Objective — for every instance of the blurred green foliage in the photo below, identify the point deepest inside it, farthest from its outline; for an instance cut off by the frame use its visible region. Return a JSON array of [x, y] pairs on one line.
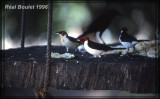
[[65, 15], [69, 16]]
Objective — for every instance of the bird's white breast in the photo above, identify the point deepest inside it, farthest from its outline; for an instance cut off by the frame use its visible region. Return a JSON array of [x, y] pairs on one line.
[[69, 43], [128, 44], [91, 50]]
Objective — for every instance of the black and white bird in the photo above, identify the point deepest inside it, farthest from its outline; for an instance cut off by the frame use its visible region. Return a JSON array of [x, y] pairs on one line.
[[101, 23], [96, 49], [67, 41], [127, 40]]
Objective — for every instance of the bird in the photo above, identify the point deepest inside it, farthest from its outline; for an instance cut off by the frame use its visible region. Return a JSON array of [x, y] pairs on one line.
[[67, 41], [101, 23], [96, 49], [128, 41]]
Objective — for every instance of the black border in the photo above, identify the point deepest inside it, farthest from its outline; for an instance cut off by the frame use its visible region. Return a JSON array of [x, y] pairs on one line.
[[80, 1]]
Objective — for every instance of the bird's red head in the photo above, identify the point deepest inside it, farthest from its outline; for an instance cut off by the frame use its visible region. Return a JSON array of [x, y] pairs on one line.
[[83, 39], [124, 29]]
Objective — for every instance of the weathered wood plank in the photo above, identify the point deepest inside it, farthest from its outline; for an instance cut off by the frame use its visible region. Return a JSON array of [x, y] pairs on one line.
[[72, 76], [113, 72]]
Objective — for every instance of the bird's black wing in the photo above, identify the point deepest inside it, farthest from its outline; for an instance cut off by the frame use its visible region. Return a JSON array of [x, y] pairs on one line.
[[101, 22], [73, 39], [98, 46], [125, 37]]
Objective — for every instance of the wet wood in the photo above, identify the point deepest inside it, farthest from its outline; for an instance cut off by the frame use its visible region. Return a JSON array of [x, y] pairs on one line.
[[24, 69]]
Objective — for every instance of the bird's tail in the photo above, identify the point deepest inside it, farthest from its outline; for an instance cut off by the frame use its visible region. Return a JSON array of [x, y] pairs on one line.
[[142, 40], [114, 44], [118, 48]]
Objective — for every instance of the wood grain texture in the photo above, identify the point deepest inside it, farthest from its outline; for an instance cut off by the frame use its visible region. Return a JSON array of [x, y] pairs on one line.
[[112, 72]]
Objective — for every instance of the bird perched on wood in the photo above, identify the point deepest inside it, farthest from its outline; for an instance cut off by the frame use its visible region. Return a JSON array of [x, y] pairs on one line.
[[101, 23], [127, 40], [96, 49], [67, 41]]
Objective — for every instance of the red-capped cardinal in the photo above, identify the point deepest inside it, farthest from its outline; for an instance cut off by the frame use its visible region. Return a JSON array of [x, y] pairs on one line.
[[94, 48]]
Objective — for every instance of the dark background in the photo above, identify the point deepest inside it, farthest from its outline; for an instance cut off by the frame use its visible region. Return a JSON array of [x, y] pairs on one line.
[[74, 17]]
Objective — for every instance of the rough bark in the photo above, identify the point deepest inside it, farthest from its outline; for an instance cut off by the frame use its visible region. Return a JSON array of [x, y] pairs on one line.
[[135, 74]]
